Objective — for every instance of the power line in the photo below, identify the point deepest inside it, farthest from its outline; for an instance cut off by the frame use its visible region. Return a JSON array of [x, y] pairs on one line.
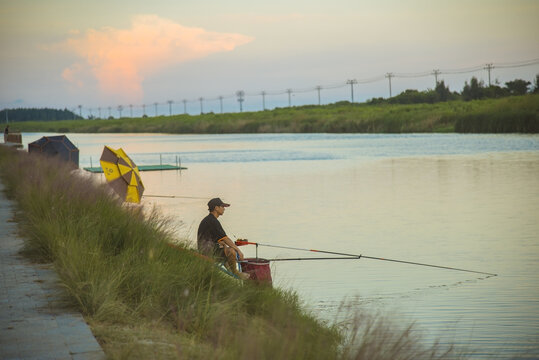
[[518, 64], [413, 75]]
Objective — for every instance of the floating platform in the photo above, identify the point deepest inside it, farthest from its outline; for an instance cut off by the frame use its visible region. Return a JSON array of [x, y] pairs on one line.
[[141, 168], [12, 144]]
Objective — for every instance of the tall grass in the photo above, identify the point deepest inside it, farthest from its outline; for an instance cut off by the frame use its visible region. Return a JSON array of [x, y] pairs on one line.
[[507, 115], [146, 299], [511, 114]]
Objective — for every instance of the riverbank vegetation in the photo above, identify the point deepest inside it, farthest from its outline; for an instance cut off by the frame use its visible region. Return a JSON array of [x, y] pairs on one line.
[[146, 299], [508, 114]]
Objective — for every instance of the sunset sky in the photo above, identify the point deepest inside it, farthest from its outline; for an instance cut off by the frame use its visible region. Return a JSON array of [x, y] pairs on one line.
[[65, 53]]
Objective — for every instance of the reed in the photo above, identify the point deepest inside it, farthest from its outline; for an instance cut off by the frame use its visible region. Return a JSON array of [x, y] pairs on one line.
[[502, 116], [146, 299]]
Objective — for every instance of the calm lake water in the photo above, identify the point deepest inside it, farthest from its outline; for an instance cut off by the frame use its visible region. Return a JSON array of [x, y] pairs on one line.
[[466, 201]]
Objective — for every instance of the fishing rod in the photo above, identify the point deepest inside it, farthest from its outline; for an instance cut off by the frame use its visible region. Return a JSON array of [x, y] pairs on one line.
[[240, 242], [315, 258], [176, 196]]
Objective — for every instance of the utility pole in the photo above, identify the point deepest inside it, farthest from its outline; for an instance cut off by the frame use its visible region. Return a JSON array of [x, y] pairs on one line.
[[489, 67], [170, 107], [80, 110], [99, 109], [240, 94], [389, 76], [120, 108], [263, 93], [352, 82], [155, 104], [131, 110], [201, 109], [289, 91], [110, 114], [436, 72], [143, 110], [221, 103], [318, 88], [184, 106]]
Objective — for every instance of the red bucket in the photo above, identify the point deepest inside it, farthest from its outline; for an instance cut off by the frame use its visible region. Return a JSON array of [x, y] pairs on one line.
[[258, 270]]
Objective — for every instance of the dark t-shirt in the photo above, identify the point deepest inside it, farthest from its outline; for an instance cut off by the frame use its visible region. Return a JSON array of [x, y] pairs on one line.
[[210, 232]]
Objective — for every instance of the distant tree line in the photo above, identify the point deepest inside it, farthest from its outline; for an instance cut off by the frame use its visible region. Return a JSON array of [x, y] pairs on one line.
[[34, 114], [474, 90]]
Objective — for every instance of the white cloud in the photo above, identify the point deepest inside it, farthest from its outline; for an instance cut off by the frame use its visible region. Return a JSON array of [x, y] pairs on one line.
[[121, 58]]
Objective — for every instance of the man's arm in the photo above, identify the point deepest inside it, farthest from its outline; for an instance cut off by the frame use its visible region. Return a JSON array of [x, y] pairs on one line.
[[226, 240]]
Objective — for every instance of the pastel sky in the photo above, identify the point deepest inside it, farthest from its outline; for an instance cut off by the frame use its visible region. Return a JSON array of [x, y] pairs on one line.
[[65, 53]]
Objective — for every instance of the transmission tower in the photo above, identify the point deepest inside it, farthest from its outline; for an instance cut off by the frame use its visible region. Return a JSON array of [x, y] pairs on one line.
[[131, 110], [170, 107], [120, 108], [352, 82], [184, 106], [436, 72], [389, 76], [201, 99], [80, 110], [289, 91], [318, 88], [240, 94], [155, 104], [221, 103], [489, 67], [263, 93]]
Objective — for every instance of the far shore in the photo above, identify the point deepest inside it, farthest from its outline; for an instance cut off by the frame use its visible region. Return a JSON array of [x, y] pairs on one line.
[[514, 114]]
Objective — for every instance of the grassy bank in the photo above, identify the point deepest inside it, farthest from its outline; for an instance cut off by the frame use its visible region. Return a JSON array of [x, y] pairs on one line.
[[145, 299], [510, 114]]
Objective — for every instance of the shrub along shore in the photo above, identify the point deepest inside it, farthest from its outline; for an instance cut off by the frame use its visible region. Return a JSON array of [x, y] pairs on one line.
[[145, 299], [504, 115]]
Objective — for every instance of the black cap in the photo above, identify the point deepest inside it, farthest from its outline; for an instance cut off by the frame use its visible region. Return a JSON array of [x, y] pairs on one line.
[[216, 202]]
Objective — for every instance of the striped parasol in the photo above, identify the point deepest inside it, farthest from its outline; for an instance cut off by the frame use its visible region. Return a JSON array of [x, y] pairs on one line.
[[122, 174]]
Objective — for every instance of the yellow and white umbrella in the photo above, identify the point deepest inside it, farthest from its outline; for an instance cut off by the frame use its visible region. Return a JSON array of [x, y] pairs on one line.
[[122, 174]]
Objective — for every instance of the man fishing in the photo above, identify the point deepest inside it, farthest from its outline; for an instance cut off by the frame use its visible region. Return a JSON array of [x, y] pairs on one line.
[[213, 241]]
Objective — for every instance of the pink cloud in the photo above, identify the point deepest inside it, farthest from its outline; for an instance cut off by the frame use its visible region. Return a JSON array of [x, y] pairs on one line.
[[72, 75], [121, 58]]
